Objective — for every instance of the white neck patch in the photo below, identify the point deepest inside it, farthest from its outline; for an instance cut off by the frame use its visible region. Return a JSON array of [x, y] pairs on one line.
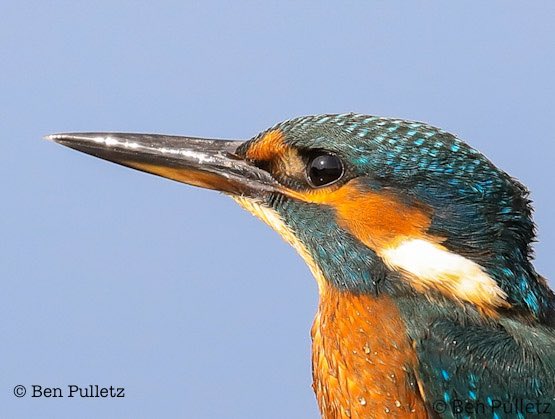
[[432, 266]]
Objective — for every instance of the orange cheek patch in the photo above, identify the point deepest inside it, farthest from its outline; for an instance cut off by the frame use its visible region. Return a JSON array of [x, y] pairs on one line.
[[398, 233], [377, 219]]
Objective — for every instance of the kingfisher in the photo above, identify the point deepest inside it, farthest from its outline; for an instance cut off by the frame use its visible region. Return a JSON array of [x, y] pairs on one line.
[[429, 303]]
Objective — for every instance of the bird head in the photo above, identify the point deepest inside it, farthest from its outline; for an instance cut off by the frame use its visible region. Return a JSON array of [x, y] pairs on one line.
[[373, 205]]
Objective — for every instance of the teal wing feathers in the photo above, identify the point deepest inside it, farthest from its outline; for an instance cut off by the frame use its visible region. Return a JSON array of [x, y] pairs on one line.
[[486, 371]]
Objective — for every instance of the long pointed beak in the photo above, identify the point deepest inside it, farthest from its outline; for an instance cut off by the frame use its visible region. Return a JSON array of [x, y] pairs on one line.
[[210, 164]]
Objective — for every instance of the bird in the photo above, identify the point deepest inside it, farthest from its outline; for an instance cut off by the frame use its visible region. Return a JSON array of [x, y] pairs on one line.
[[429, 302]]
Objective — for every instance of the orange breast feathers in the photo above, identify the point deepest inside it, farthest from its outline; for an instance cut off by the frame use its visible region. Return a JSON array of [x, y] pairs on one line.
[[362, 359]]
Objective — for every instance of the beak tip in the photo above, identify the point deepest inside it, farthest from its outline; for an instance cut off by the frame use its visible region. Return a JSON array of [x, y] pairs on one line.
[[53, 137]]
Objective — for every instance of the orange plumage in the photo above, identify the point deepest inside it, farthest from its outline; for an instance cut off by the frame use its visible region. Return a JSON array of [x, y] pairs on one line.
[[362, 359]]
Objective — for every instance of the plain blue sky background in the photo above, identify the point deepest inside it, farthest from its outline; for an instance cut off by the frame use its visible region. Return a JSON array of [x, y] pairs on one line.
[[114, 277]]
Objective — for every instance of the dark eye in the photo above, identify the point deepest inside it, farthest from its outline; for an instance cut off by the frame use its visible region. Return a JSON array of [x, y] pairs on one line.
[[324, 169]]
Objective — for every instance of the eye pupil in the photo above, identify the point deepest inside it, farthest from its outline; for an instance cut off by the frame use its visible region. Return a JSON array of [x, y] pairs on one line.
[[324, 169]]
